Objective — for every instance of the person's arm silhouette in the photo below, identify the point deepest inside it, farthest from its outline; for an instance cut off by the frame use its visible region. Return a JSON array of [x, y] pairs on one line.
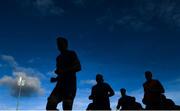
[[58, 71], [110, 91], [92, 96], [119, 104]]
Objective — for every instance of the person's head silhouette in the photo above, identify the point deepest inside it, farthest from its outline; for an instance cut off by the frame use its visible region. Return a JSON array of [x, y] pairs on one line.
[[123, 91], [62, 44], [148, 75], [99, 78]]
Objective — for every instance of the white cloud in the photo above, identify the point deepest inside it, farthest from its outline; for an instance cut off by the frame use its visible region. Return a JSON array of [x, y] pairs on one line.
[[31, 77], [12, 62], [32, 84]]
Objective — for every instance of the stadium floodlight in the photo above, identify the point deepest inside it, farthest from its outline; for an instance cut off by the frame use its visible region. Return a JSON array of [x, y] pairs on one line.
[[20, 83]]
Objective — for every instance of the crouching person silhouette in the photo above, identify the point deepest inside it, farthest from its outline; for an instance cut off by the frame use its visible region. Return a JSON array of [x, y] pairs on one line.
[[135, 105], [100, 95], [127, 102], [67, 64]]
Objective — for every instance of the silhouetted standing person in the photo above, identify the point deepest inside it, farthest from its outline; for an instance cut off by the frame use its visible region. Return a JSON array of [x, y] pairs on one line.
[[127, 102], [100, 94], [67, 64], [152, 92]]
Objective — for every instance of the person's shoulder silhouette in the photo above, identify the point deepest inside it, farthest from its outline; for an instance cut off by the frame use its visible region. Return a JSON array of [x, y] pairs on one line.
[[151, 85], [102, 89], [100, 94], [135, 105]]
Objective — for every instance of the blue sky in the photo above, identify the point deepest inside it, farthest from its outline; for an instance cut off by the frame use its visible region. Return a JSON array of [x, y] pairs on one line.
[[119, 38]]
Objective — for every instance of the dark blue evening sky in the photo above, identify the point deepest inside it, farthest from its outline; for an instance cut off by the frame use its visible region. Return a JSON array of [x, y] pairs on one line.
[[119, 38]]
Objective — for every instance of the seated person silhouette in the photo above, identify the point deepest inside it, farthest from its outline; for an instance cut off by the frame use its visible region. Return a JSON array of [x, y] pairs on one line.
[[67, 64], [125, 102], [153, 90], [100, 94]]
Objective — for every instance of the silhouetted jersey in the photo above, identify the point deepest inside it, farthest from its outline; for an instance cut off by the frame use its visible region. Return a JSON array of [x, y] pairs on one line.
[[100, 95], [66, 61], [152, 94], [125, 103]]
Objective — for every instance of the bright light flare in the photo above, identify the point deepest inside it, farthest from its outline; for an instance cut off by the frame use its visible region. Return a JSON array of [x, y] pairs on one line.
[[21, 81]]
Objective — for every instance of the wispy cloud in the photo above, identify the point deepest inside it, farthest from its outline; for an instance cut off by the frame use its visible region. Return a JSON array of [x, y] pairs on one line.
[[47, 7], [80, 2], [90, 82], [174, 95], [81, 100], [9, 59], [86, 3], [33, 60], [176, 81], [42, 7], [144, 15], [173, 89], [31, 77]]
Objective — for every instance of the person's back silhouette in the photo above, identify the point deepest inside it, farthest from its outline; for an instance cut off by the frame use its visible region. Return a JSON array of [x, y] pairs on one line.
[[152, 92], [91, 106], [100, 94], [67, 64], [125, 102], [168, 104]]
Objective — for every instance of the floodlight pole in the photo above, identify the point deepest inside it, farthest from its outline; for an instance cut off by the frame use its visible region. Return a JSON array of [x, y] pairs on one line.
[[19, 94]]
